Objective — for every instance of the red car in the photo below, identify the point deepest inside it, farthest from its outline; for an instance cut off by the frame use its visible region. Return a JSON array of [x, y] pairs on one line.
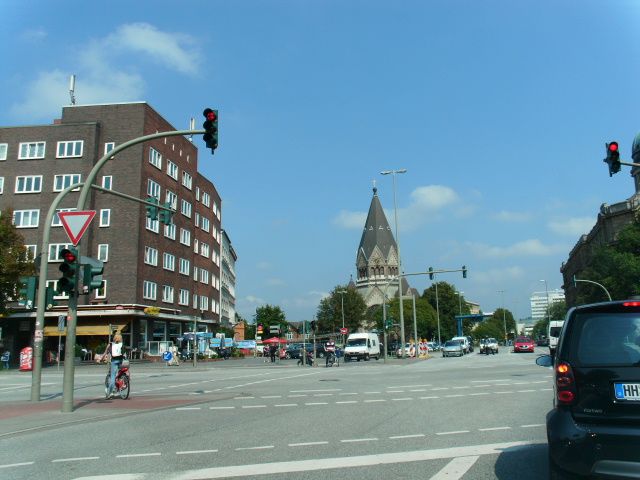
[[523, 344]]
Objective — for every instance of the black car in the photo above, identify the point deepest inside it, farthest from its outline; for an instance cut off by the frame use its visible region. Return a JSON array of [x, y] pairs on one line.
[[594, 426]]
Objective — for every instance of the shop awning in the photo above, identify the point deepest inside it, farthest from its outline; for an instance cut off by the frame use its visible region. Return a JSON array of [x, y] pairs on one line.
[[86, 328]]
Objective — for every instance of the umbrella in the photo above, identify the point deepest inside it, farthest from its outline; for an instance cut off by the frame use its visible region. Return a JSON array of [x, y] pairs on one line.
[[275, 340]]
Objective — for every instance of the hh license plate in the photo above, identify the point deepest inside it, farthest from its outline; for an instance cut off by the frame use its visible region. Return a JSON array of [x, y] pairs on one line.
[[627, 391]]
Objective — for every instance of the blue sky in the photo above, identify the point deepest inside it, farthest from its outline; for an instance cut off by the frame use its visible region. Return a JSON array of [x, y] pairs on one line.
[[499, 110]]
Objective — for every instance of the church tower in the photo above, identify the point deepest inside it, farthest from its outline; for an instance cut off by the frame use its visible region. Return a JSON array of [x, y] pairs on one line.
[[377, 257]]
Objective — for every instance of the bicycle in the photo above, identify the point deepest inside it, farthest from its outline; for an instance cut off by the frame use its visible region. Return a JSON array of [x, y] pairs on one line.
[[122, 382], [332, 359]]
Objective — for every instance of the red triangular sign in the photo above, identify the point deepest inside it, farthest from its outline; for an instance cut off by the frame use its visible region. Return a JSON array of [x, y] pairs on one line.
[[76, 223]]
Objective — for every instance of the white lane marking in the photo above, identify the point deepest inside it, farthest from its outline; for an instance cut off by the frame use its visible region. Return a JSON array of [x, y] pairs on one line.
[[532, 425], [323, 394], [346, 402], [306, 444], [481, 386], [375, 400], [188, 408], [460, 388], [455, 432], [395, 391], [254, 406], [348, 393], [317, 390], [452, 396], [485, 381], [191, 452], [135, 455], [354, 440], [10, 465], [296, 396], [493, 428], [479, 393], [546, 389], [525, 391], [78, 459], [456, 468], [317, 403], [263, 447], [372, 393], [428, 398], [403, 399], [419, 390], [508, 391], [221, 408], [242, 398], [412, 386], [271, 396], [440, 388], [286, 405], [417, 435]]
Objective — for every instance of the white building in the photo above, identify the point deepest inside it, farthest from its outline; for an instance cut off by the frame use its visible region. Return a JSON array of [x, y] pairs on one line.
[[539, 302], [228, 276]]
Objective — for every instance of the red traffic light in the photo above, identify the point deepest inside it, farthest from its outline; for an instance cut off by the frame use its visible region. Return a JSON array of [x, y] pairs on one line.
[[209, 114], [68, 256], [613, 147]]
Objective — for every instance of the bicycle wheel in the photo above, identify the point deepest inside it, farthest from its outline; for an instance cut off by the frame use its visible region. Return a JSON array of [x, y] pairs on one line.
[[106, 384], [124, 390]]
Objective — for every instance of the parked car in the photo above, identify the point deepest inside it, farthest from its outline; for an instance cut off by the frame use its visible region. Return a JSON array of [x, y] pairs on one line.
[[407, 350], [592, 429], [433, 346], [523, 344], [453, 348], [293, 350]]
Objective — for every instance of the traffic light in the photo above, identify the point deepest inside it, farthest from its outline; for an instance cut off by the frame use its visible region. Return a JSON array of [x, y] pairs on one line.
[[464, 271], [49, 302], [613, 158], [166, 215], [152, 210], [91, 274], [210, 126], [430, 273], [389, 323], [27, 293], [69, 268]]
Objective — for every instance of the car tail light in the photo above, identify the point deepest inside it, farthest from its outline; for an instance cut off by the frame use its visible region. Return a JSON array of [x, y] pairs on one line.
[[565, 384]]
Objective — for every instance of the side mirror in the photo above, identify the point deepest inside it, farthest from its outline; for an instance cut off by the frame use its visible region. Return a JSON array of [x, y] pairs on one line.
[[544, 361]]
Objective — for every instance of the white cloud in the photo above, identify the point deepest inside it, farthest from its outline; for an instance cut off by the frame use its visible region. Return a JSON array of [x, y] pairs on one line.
[[253, 300], [309, 300], [497, 276], [432, 197], [506, 216], [346, 219], [529, 248], [573, 227]]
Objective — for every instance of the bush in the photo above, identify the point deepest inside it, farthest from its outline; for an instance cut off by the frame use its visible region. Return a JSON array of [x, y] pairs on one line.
[[77, 350]]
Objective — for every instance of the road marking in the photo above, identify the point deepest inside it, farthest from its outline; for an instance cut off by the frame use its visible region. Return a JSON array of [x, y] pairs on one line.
[[317, 403], [135, 455], [546, 389], [412, 386], [78, 459], [349, 393], [459, 388], [271, 396], [428, 398], [456, 468], [296, 396], [188, 408], [321, 390], [254, 406], [440, 388], [419, 390], [479, 393], [355, 440], [525, 391], [221, 408], [532, 425], [286, 405], [403, 399], [417, 435], [190, 452], [455, 432], [263, 447], [323, 394], [481, 386], [346, 402], [375, 400], [493, 428], [242, 398], [306, 444], [452, 396], [485, 381], [372, 393], [395, 391], [10, 465], [508, 391]]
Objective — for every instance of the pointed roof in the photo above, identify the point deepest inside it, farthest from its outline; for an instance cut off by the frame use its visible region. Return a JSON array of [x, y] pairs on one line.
[[376, 230]]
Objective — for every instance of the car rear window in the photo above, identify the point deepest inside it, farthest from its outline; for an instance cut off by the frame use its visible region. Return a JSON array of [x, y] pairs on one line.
[[605, 339]]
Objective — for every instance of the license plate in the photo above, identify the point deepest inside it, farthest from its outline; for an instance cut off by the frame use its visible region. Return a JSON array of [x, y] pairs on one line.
[[627, 391]]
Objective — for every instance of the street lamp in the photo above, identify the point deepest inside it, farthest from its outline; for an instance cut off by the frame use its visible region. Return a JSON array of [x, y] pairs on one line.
[[395, 209], [342, 292], [504, 318], [460, 301], [546, 289]]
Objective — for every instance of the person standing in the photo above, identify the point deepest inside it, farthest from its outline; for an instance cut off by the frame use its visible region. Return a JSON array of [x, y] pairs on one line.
[[115, 348], [6, 355], [272, 352]]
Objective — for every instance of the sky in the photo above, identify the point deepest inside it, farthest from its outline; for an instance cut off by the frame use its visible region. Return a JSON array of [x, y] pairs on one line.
[[499, 111]]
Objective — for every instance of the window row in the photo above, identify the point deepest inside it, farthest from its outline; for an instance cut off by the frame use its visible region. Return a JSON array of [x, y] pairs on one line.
[[155, 159], [36, 150], [31, 218], [33, 183], [201, 302]]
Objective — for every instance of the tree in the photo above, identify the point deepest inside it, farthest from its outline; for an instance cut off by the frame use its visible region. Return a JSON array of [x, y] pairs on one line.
[[15, 260], [329, 314], [269, 315], [426, 321], [494, 326], [449, 305]]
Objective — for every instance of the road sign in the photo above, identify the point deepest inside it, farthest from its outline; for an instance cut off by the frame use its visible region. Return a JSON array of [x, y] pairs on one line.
[[167, 356], [76, 223], [344, 331], [61, 319]]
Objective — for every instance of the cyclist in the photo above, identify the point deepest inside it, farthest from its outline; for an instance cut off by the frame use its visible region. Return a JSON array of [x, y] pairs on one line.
[[115, 348], [330, 349]]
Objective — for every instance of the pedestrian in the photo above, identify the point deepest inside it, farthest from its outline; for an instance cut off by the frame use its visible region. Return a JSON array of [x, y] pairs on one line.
[[6, 355], [272, 352]]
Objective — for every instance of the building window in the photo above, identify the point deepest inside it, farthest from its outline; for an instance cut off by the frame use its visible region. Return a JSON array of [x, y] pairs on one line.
[[26, 218], [70, 149], [107, 182], [4, 147], [172, 170], [185, 208], [152, 225], [103, 252], [149, 290], [31, 251], [105, 217], [60, 182], [109, 146], [185, 266], [204, 276], [195, 245], [204, 249], [168, 261], [29, 184], [205, 224], [187, 181], [170, 231], [32, 150], [153, 189], [204, 303], [172, 199], [54, 251], [184, 297], [102, 291], [55, 221], [167, 294], [185, 237], [1, 185], [155, 158], [151, 256], [195, 273], [195, 301], [206, 199]]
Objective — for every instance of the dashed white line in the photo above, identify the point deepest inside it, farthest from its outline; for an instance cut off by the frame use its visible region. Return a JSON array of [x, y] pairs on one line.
[[254, 406], [478, 393], [355, 440], [346, 402], [452, 396], [286, 405], [221, 408], [403, 399], [532, 425], [455, 432], [317, 403], [10, 465], [271, 396], [243, 398], [263, 447], [348, 393], [306, 444], [78, 459], [490, 429], [525, 391], [508, 391], [417, 435], [135, 455], [428, 398], [192, 452], [188, 408], [375, 400]]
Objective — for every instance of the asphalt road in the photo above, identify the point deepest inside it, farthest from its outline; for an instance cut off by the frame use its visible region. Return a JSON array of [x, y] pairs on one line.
[[475, 417]]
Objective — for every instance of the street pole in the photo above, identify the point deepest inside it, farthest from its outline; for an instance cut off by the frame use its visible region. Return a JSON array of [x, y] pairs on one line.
[[438, 315], [415, 328], [342, 292], [546, 289], [504, 318], [395, 209]]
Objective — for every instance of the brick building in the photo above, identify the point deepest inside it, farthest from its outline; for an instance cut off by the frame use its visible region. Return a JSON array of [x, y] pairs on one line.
[[175, 268]]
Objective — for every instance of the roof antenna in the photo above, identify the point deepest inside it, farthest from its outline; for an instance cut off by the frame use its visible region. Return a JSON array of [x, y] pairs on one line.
[[72, 87]]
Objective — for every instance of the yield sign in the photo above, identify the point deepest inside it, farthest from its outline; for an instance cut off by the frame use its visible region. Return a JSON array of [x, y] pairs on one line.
[[76, 223]]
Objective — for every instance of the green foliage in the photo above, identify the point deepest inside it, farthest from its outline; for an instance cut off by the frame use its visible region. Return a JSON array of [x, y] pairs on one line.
[[269, 315], [426, 321], [329, 314], [615, 266], [449, 305], [15, 260], [494, 325]]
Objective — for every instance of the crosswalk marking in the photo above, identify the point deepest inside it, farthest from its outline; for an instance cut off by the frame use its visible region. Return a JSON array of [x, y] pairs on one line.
[[456, 468]]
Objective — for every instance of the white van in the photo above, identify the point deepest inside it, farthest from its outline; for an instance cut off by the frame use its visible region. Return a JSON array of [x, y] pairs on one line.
[[362, 346], [555, 327], [466, 346]]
